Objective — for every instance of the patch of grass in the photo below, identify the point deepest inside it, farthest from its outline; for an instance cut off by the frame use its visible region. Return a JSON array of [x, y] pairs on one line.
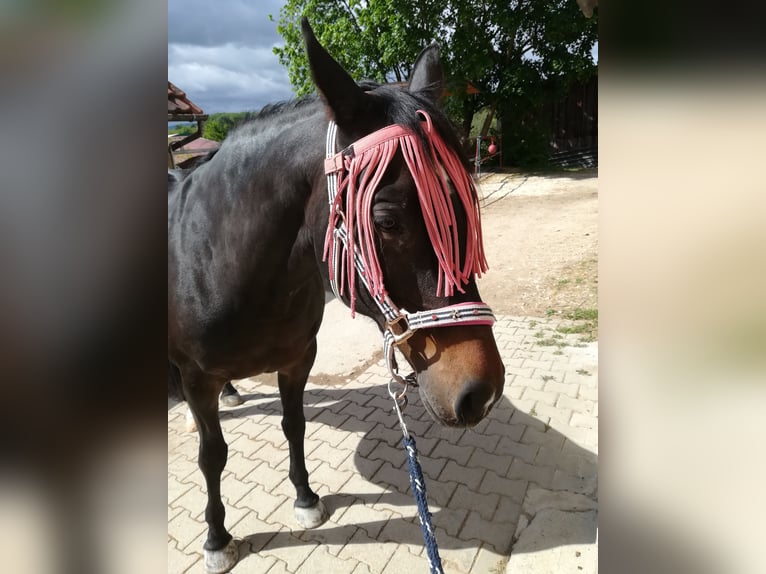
[[547, 378], [582, 372], [539, 334], [532, 324], [550, 312], [533, 412], [576, 329], [582, 315], [587, 324], [558, 352], [562, 282], [557, 336], [500, 567], [552, 343]]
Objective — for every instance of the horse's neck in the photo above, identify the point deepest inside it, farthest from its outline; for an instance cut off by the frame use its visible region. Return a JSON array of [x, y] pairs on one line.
[[246, 212]]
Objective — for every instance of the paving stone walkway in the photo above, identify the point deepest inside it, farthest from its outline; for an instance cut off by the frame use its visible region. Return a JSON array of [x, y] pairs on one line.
[[502, 481]]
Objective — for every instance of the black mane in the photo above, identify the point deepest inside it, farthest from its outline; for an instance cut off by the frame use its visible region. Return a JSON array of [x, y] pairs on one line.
[[398, 105]]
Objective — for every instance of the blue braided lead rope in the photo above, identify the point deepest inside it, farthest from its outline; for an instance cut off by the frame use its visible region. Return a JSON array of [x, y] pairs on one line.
[[418, 484]]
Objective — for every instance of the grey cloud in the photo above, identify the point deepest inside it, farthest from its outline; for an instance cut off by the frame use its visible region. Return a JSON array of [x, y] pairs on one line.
[[220, 53], [217, 22]]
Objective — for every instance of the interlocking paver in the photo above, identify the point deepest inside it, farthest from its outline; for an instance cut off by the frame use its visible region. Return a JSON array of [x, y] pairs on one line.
[[550, 438], [262, 502], [508, 510], [369, 517], [471, 477], [457, 554], [496, 534], [369, 551], [386, 453], [333, 455], [407, 534], [478, 438], [564, 391], [395, 478], [184, 529], [510, 430], [322, 562], [542, 475], [458, 453], [587, 393], [178, 561], [271, 455], [546, 397], [254, 562], [578, 484], [513, 489], [477, 480], [553, 416], [362, 568], [332, 479], [471, 500], [291, 550], [269, 478], [585, 421], [482, 459], [489, 560], [177, 488], [577, 405], [509, 447]]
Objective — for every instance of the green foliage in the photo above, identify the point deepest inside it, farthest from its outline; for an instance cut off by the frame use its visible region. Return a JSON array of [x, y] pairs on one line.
[[520, 54], [218, 125], [182, 130], [375, 39]]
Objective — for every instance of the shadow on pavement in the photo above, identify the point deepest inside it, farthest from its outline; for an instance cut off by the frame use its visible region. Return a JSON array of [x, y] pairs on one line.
[[453, 486]]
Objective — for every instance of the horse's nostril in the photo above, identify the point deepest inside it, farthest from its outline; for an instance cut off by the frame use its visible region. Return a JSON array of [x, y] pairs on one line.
[[473, 401]]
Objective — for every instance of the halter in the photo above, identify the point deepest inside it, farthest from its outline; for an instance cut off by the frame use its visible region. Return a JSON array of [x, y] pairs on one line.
[[354, 174]]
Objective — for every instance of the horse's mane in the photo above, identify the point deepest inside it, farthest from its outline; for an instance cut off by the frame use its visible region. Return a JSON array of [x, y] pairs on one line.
[[398, 105], [401, 107]]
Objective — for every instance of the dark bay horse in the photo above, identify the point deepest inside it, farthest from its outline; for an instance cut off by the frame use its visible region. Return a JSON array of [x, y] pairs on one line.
[[253, 246]]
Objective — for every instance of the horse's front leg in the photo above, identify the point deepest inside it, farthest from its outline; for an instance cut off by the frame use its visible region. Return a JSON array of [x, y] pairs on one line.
[[201, 393], [309, 509]]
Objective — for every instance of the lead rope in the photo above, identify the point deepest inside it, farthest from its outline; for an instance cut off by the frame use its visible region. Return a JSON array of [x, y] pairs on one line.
[[418, 484]]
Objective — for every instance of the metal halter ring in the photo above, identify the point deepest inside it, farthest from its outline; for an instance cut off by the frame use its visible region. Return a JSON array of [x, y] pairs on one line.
[[399, 398], [399, 329]]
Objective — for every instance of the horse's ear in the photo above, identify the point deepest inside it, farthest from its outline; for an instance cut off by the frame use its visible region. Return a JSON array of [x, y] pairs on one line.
[[343, 97], [427, 76]]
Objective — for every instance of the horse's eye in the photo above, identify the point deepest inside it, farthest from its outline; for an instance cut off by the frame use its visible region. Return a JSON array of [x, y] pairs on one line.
[[386, 222]]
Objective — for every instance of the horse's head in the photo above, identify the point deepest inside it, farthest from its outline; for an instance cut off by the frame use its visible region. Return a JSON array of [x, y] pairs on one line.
[[406, 207]]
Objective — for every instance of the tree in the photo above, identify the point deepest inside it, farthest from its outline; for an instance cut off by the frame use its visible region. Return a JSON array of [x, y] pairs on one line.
[[374, 39], [218, 125], [519, 54]]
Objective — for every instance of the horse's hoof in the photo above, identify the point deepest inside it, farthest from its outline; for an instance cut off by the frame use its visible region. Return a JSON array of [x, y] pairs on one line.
[[312, 516], [223, 560], [232, 400], [191, 425]]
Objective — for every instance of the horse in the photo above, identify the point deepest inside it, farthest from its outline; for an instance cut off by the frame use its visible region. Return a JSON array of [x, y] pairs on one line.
[[277, 218]]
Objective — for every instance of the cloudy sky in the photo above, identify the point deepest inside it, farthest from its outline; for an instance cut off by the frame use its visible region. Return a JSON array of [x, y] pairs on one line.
[[220, 54]]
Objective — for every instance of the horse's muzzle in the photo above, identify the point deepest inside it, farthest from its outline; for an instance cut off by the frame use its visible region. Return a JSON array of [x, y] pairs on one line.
[[460, 373]]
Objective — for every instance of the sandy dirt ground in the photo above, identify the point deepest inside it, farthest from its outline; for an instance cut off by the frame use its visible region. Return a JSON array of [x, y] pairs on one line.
[[540, 235], [541, 240]]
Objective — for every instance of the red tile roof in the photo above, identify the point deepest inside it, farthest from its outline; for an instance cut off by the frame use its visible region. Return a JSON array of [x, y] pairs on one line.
[[201, 144], [178, 103]]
